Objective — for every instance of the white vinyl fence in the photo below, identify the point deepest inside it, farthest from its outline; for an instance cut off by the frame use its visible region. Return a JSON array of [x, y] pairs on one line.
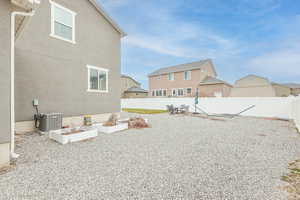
[[296, 112], [264, 107]]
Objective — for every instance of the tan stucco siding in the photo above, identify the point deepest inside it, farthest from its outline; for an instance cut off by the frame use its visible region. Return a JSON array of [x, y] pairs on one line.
[[212, 89], [250, 81], [295, 91], [281, 91], [210, 69], [258, 91], [55, 72], [253, 86]]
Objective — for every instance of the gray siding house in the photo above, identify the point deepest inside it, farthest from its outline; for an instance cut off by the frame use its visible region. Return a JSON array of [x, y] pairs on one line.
[[5, 10], [67, 56]]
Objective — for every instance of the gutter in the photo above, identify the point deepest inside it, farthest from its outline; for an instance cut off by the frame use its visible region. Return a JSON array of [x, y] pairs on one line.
[[12, 80]]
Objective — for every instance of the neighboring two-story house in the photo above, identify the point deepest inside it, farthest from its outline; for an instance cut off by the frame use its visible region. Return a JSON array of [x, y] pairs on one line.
[[67, 55], [130, 88], [184, 80]]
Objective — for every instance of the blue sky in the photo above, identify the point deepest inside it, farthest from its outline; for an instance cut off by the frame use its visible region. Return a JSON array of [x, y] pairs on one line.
[[241, 36]]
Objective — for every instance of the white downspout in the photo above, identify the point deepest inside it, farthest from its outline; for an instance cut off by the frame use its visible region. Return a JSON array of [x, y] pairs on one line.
[[12, 80]]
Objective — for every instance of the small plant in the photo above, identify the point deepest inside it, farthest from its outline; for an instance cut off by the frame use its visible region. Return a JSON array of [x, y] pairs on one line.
[[138, 123], [112, 120]]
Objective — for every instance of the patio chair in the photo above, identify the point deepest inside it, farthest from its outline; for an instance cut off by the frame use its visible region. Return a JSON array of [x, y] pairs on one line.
[[184, 108], [171, 109]]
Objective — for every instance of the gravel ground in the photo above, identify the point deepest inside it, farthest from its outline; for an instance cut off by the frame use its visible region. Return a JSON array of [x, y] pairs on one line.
[[180, 157]]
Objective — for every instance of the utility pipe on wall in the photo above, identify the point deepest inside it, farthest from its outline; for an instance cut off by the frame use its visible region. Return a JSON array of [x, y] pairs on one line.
[[12, 80]]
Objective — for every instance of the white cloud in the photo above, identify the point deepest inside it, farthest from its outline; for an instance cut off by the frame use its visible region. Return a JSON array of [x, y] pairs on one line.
[[166, 34], [165, 31], [278, 63]]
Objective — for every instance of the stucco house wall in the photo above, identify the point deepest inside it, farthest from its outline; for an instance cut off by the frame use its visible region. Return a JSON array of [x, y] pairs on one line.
[[295, 91], [252, 86], [281, 90], [258, 91], [163, 82], [211, 89], [55, 71], [5, 9]]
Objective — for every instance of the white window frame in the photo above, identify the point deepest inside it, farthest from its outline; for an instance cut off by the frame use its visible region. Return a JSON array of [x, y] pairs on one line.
[[182, 92], [52, 34], [171, 76], [189, 75], [164, 90], [187, 91], [89, 84]]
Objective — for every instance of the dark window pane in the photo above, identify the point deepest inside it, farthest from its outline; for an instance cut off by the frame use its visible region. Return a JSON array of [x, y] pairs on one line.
[[93, 79]]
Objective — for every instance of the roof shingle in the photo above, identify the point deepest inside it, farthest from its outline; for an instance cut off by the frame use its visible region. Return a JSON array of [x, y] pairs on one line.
[[136, 89], [180, 68], [211, 80]]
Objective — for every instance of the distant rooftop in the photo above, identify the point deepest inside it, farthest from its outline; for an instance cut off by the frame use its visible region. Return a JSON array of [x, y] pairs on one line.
[[126, 76], [210, 81], [136, 89], [180, 68], [292, 85], [273, 83]]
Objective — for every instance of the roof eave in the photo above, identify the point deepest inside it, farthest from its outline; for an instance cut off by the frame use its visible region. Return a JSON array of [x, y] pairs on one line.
[[135, 92], [282, 85], [215, 84], [108, 18], [125, 76], [158, 73], [213, 67]]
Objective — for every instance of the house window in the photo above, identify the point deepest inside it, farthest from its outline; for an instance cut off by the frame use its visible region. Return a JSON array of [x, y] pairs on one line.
[[62, 23], [159, 93], [187, 75], [97, 79], [164, 93], [171, 76], [189, 90], [180, 92], [174, 93]]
